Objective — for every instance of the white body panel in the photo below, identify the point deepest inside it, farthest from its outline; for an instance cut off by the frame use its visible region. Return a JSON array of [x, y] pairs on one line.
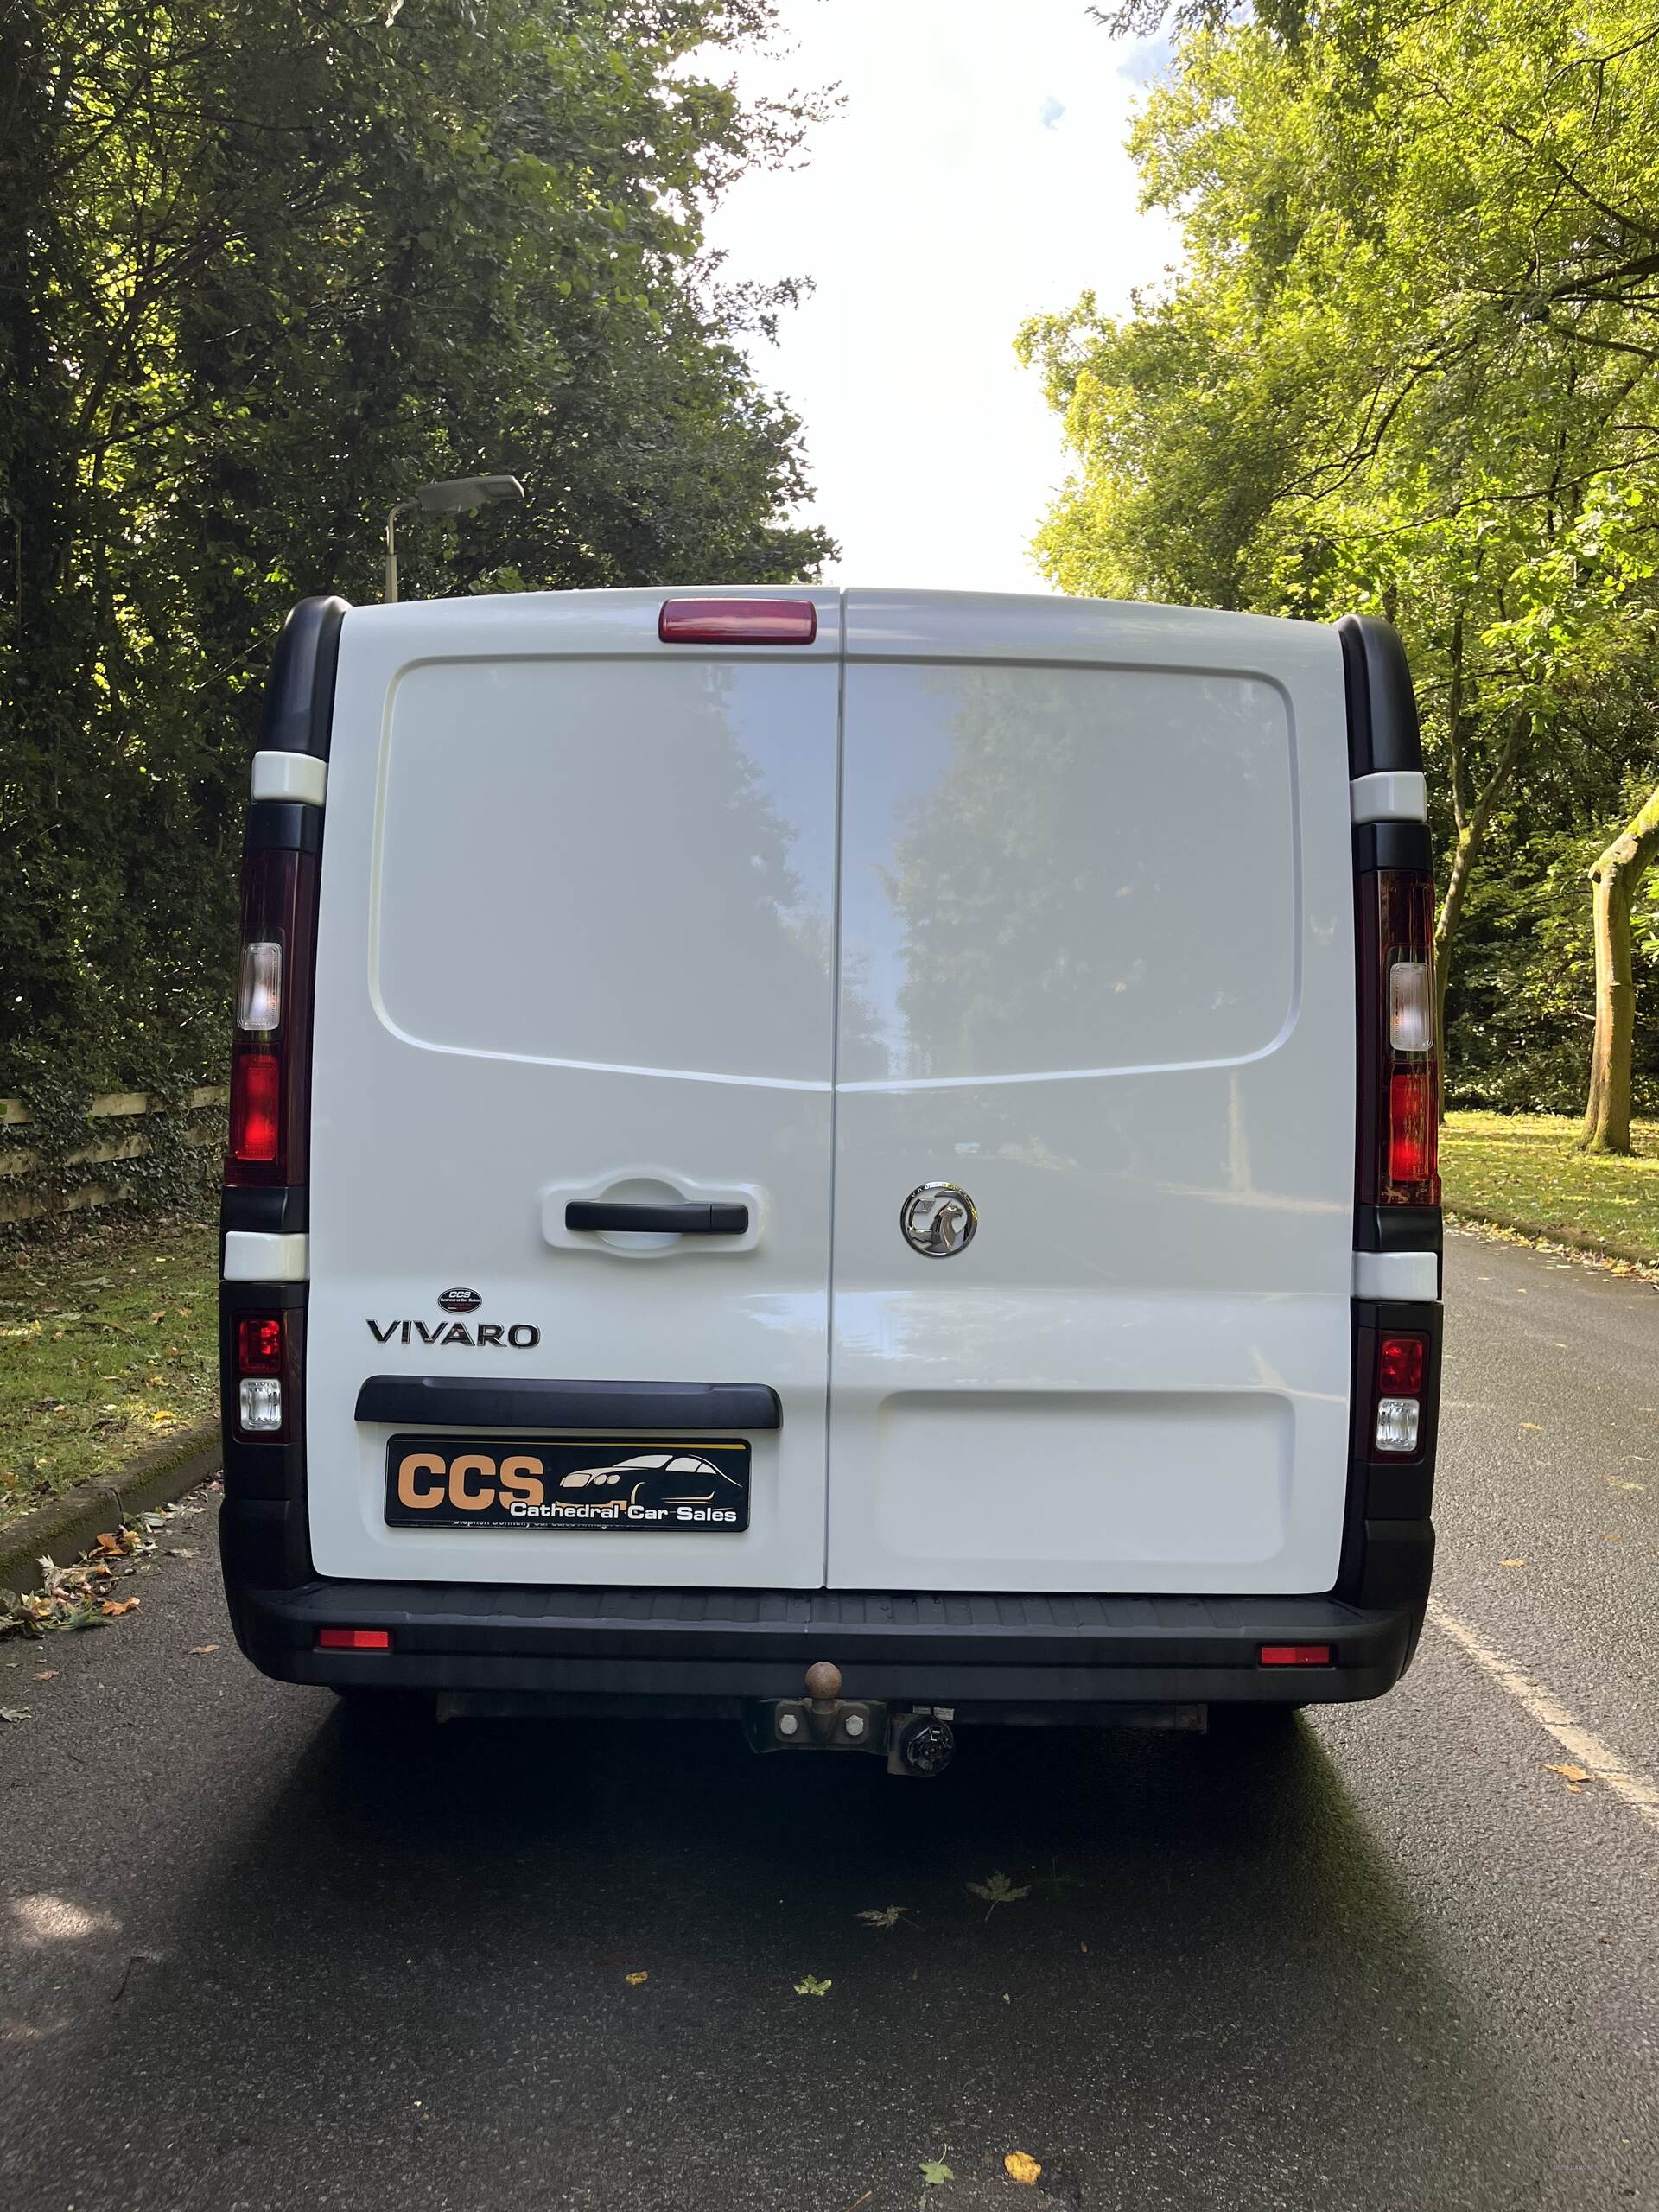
[[1098, 969], [1049, 899], [576, 930]]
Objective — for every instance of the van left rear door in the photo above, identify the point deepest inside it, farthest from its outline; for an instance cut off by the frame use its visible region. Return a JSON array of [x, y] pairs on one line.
[[576, 947]]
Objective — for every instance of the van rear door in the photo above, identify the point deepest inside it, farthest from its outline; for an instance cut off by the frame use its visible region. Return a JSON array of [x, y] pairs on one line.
[[1098, 973], [575, 948]]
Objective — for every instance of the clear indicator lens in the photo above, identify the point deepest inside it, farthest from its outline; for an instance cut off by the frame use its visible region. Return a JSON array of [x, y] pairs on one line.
[[1397, 1421], [260, 995], [1411, 1016], [259, 1405]]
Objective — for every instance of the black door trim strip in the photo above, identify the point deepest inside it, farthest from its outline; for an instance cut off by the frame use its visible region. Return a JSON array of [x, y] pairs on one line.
[[522, 1401]]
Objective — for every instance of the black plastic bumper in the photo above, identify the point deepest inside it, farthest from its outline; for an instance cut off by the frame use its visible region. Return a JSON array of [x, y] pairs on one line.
[[691, 1646]]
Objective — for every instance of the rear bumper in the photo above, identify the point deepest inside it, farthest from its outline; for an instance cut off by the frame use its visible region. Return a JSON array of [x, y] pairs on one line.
[[986, 1654]]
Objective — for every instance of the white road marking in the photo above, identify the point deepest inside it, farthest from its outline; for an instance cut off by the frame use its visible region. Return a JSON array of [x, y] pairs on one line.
[[1582, 1745]]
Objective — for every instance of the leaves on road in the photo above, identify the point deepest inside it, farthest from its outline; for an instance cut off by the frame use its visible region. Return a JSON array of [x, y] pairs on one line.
[[1020, 2166], [14, 1713], [1511, 1562], [200, 1650], [935, 2172], [1575, 1776], [635, 1980], [112, 1610], [997, 1889], [810, 1985]]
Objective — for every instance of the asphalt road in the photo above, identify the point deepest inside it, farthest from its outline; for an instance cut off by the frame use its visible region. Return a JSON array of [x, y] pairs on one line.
[[252, 1961]]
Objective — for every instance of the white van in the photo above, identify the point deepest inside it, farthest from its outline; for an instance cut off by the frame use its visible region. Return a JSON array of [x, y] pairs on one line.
[[886, 1131]]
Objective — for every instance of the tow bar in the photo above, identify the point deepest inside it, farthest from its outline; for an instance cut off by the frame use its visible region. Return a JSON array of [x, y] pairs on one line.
[[917, 1742]]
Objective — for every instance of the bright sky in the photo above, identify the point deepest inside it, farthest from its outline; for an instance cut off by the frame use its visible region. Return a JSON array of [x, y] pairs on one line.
[[974, 174]]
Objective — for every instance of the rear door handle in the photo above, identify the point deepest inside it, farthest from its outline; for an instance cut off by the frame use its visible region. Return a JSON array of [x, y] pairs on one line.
[[690, 1219]]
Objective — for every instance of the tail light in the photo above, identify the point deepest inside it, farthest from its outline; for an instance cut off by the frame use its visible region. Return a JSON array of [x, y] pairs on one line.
[[262, 1370], [271, 1052], [1397, 1394], [1399, 1162]]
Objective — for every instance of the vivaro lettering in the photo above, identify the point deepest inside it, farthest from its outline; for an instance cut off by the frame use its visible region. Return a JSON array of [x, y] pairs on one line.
[[522, 1335]]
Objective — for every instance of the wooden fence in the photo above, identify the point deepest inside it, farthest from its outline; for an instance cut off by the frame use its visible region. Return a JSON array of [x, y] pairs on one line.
[[119, 1106]]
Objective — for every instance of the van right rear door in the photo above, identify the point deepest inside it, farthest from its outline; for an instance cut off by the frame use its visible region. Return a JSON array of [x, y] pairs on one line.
[[1097, 972]]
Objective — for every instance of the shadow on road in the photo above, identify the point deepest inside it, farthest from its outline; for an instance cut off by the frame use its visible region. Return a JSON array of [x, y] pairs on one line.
[[404, 1977]]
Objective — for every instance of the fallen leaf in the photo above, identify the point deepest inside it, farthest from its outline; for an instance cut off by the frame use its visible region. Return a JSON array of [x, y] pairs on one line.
[[107, 1542], [200, 1651], [1020, 2166], [999, 1890], [810, 1985], [633, 1981], [1511, 1562], [181, 1551], [1572, 1773], [887, 1917], [14, 1713], [935, 2173], [1536, 1425], [113, 1608], [47, 1674]]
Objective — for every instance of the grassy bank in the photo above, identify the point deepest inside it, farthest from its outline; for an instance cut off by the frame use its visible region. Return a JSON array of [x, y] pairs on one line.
[[1523, 1171], [108, 1343]]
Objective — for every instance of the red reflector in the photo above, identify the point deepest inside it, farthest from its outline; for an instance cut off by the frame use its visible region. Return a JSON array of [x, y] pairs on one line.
[[1295, 1654], [1400, 1362], [259, 1344], [256, 1096], [1413, 1144], [353, 1639], [737, 622]]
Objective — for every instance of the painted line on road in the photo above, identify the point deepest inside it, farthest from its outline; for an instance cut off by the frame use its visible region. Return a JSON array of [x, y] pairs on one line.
[[1582, 1745]]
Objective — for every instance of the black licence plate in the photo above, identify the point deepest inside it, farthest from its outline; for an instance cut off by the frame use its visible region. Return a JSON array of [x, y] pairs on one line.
[[459, 1482]]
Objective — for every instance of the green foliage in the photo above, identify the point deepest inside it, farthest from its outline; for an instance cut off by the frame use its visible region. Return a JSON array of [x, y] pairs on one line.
[[1410, 365], [261, 271]]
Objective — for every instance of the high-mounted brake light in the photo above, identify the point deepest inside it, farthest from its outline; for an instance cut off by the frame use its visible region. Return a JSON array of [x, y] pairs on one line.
[[270, 1048], [1399, 1162], [737, 622]]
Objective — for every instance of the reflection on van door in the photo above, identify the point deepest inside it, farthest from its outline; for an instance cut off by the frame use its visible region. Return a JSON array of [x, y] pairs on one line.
[[1093, 980], [577, 909]]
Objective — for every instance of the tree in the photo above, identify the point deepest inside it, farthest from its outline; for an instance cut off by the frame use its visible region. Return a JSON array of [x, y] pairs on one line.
[[1407, 364], [1616, 877], [260, 270]]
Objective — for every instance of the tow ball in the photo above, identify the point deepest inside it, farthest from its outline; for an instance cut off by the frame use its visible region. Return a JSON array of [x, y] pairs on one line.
[[823, 1720]]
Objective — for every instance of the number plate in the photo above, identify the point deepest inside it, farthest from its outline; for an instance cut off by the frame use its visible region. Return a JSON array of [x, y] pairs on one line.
[[448, 1482]]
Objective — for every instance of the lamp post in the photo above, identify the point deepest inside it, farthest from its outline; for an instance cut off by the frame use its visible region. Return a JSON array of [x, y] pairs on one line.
[[455, 495]]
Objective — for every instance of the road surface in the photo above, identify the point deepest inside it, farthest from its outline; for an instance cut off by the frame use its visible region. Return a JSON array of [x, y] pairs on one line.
[[251, 1961]]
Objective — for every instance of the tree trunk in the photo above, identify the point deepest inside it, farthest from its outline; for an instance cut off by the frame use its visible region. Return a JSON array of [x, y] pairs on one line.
[[1616, 877]]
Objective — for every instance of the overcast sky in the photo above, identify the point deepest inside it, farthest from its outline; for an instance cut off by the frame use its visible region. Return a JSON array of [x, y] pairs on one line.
[[973, 174]]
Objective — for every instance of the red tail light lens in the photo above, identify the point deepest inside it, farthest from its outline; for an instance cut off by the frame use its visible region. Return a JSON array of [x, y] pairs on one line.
[[737, 622], [256, 1107], [353, 1639], [1413, 1132], [270, 1046], [1295, 1654], [259, 1343], [1399, 1161], [1402, 1362]]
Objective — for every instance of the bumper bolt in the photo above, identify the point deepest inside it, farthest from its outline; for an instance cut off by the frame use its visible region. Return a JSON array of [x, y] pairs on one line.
[[789, 1724], [855, 1724]]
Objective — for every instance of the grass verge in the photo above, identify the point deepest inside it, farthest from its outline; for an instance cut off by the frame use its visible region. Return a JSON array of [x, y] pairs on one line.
[[108, 1340], [1523, 1171]]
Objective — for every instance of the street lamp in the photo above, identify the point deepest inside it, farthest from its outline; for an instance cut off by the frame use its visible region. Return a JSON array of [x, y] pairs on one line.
[[456, 495]]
